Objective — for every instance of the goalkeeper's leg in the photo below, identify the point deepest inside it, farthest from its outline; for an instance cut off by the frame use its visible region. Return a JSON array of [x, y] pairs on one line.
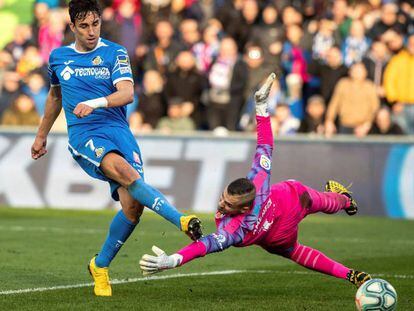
[[315, 260]]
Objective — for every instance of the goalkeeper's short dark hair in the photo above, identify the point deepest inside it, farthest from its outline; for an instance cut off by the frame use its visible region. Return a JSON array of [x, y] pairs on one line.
[[244, 188], [79, 9]]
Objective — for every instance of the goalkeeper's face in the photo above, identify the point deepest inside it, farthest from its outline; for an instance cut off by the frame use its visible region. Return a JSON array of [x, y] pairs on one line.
[[87, 31], [233, 204]]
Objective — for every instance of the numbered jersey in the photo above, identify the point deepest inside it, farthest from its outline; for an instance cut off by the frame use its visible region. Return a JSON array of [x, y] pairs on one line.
[[88, 75]]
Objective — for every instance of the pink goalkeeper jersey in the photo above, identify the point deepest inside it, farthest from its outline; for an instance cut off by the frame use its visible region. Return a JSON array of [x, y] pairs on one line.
[[260, 223]]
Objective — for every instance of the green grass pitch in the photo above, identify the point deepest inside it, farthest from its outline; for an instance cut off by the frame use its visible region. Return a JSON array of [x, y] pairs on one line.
[[49, 248]]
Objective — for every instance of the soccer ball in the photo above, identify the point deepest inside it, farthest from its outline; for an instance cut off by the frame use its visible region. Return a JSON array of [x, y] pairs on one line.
[[376, 295]]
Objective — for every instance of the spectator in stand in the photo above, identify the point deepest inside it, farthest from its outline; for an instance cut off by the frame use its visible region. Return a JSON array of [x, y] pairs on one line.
[[41, 19], [293, 55], [128, 24], [394, 41], [22, 112], [231, 17], [250, 13], [294, 96], [329, 73], [177, 119], [376, 62], [341, 18], [206, 50], [152, 12], [11, 90], [269, 35], [21, 39], [283, 123], [30, 60], [387, 22], [314, 118], [187, 83], [152, 104], [383, 124], [256, 68], [354, 102], [162, 54], [190, 35], [36, 89], [226, 86], [51, 34], [291, 16], [6, 64], [399, 90], [356, 45], [325, 38]]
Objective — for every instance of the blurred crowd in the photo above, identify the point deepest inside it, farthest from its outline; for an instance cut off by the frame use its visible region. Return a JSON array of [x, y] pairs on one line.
[[344, 67]]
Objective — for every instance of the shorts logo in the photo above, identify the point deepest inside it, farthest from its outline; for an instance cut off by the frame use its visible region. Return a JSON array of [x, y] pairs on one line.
[[97, 61], [265, 162], [99, 152], [67, 73], [136, 158]]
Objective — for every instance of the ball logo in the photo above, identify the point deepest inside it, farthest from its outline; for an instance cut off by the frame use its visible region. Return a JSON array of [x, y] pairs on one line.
[[67, 73], [265, 163]]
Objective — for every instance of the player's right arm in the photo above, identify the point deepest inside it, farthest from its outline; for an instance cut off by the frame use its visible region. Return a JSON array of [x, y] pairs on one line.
[[52, 111], [215, 242]]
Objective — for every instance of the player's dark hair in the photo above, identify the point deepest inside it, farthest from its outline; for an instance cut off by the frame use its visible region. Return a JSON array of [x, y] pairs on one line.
[[79, 9], [240, 186]]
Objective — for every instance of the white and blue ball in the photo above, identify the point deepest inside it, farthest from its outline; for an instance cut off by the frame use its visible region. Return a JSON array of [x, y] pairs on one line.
[[376, 295]]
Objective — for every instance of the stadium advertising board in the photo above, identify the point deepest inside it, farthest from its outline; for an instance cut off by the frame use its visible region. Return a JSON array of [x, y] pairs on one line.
[[192, 171]]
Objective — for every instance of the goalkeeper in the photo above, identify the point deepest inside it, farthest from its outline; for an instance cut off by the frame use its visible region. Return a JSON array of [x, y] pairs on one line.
[[252, 211]]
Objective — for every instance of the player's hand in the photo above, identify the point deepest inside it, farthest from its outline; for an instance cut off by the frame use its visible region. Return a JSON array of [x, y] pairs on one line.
[[262, 95], [152, 264], [39, 147], [82, 110]]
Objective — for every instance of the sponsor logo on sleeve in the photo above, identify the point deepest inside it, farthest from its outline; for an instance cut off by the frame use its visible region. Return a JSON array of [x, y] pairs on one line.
[[122, 65], [265, 162]]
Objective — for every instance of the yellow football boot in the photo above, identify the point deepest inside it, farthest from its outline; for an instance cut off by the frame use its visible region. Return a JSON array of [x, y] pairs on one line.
[[191, 225], [101, 279], [334, 186]]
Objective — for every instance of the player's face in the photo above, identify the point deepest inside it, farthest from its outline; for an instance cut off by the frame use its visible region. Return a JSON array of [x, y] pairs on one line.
[[87, 31], [230, 204]]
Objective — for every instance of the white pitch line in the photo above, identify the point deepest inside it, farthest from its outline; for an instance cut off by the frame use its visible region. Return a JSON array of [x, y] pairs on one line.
[[178, 275], [123, 281]]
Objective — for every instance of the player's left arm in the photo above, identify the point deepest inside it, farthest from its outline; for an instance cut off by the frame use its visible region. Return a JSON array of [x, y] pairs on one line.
[[124, 95], [262, 161], [121, 76]]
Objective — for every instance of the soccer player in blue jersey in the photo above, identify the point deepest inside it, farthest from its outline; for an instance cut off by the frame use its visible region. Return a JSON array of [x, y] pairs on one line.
[[92, 80]]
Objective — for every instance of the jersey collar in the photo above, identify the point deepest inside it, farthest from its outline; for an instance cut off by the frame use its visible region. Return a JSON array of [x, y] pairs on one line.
[[98, 45]]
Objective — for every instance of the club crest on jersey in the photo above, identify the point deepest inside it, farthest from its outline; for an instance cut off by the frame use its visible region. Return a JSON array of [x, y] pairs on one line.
[[97, 61], [99, 152], [265, 162]]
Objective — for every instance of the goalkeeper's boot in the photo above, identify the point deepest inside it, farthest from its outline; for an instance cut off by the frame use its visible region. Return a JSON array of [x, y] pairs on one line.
[[191, 225], [358, 277], [334, 186], [101, 279]]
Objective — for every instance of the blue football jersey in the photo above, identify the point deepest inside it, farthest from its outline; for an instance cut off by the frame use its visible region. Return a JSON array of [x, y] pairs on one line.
[[88, 75]]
